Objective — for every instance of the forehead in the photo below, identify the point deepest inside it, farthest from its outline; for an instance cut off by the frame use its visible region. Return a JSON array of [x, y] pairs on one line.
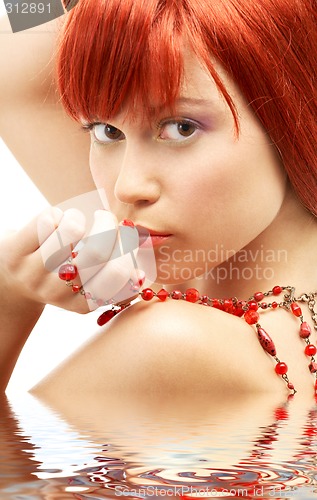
[[197, 83], [198, 92], [200, 89]]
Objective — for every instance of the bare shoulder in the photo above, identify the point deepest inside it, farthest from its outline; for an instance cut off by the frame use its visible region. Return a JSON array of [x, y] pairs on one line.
[[173, 347], [199, 348]]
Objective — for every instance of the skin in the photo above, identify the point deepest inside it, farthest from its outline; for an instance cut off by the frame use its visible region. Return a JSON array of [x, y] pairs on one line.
[[139, 185], [28, 96], [154, 353], [147, 174]]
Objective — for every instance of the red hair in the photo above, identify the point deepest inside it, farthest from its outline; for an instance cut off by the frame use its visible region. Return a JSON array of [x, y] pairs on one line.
[[116, 53]]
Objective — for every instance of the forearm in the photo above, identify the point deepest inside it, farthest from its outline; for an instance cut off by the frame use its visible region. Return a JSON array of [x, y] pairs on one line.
[[28, 94], [18, 318]]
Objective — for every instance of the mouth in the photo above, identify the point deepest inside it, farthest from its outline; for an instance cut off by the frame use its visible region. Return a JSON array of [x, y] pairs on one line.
[[149, 238]]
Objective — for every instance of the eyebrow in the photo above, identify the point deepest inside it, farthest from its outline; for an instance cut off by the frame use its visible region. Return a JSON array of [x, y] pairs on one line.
[[156, 110], [196, 102], [193, 101]]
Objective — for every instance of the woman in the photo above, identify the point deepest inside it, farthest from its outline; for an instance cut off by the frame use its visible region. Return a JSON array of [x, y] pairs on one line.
[[202, 118]]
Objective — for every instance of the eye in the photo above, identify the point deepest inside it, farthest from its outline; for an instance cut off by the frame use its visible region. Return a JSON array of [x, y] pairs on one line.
[[178, 130], [106, 133]]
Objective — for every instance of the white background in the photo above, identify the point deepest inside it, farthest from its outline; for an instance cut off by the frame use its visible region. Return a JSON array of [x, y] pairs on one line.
[[58, 332]]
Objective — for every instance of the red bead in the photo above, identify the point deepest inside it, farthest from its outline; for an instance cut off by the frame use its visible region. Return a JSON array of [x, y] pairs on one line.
[[204, 299], [128, 222], [258, 296], [296, 310], [313, 367], [281, 368], [67, 272], [253, 305], [176, 295], [277, 290], [310, 350], [238, 311], [76, 288], [290, 386], [74, 255], [192, 295], [241, 304], [266, 342], [217, 304], [228, 306], [263, 305], [147, 294], [305, 330], [105, 317], [162, 295], [274, 305], [251, 317], [88, 295]]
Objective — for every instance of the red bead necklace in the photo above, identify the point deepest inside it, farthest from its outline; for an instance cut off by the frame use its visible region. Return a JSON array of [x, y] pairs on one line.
[[249, 310]]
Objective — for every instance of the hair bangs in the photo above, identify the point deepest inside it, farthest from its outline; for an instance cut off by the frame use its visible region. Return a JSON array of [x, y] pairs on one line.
[[131, 57], [125, 59], [128, 55]]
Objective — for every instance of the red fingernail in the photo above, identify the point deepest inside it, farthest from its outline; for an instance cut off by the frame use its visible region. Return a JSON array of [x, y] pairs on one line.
[[127, 222]]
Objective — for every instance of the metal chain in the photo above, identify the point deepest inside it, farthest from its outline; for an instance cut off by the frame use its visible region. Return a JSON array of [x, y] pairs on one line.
[[311, 307], [310, 299]]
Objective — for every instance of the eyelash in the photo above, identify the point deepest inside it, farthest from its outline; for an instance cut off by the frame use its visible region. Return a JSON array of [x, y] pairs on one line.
[[173, 121], [88, 127]]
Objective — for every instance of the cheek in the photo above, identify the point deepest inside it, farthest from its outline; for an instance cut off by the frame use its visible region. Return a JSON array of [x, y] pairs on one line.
[[235, 193]]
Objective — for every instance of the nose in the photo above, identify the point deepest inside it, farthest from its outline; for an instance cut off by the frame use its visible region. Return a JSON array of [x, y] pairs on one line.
[[137, 182]]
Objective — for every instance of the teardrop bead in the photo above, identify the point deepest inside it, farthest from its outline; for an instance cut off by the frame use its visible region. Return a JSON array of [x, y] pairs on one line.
[[296, 310], [305, 330], [266, 342], [105, 317]]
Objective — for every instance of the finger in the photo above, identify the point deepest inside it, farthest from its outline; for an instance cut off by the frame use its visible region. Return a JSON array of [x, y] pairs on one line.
[[98, 245], [47, 287], [112, 279], [131, 289], [58, 246], [146, 260], [120, 266], [29, 238], [51, 290]]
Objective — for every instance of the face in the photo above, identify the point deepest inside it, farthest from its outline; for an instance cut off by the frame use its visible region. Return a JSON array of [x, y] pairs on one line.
[[199, 189]]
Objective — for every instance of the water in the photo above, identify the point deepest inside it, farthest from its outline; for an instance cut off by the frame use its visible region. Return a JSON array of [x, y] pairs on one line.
[[189, 447]]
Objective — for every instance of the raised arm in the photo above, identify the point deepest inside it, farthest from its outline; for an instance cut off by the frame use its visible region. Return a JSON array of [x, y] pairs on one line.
[[53, 151], [47, 143]]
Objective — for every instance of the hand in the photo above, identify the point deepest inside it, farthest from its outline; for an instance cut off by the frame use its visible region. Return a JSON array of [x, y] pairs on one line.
[[33, 256]]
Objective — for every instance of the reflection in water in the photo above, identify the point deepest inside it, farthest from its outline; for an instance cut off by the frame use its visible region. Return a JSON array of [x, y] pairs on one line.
[[175, 448]]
